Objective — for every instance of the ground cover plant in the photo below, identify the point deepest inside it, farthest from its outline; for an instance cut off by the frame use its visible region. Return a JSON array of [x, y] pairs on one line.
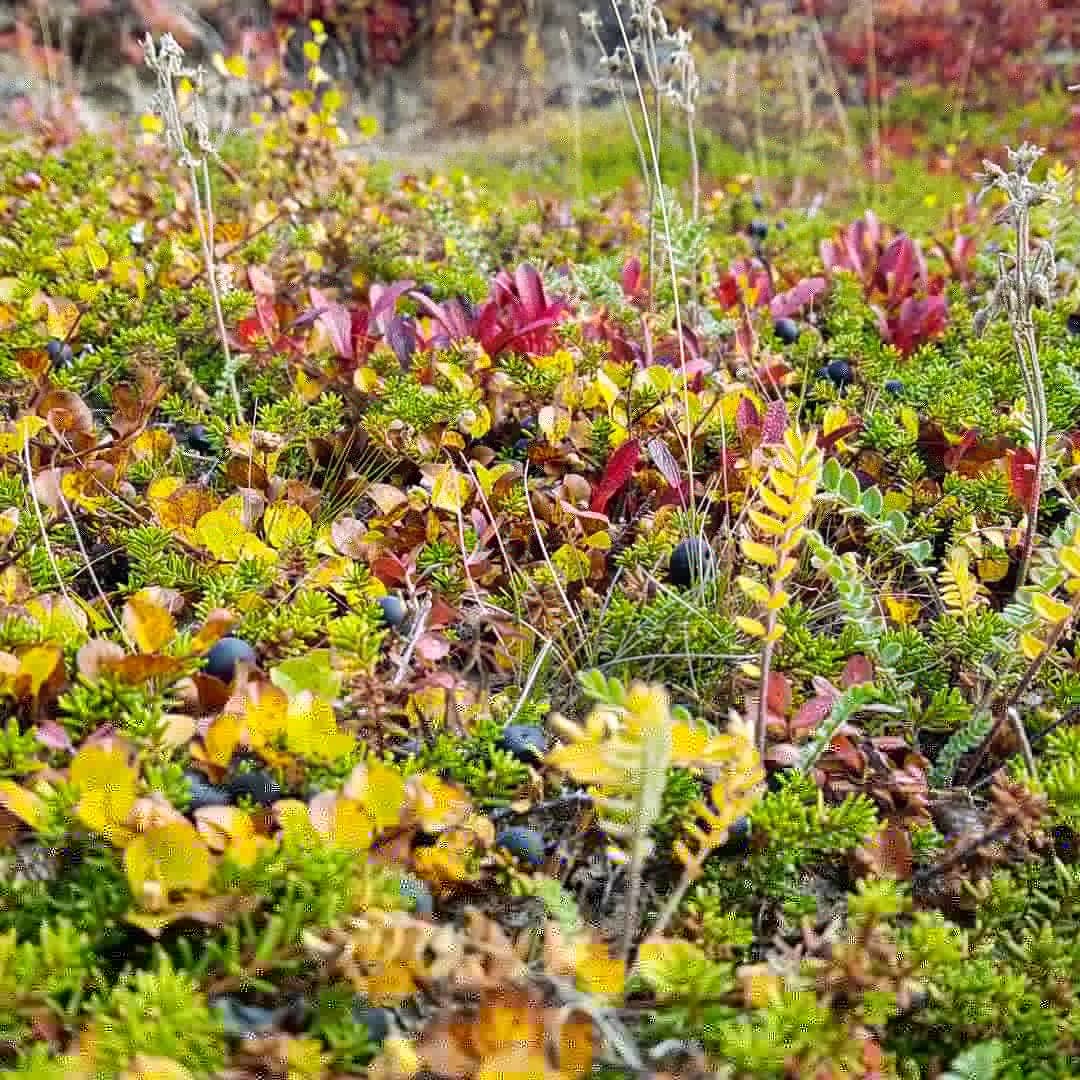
[[445, 634]]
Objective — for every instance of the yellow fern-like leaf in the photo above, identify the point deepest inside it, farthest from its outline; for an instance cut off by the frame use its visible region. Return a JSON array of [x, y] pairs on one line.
[[961, 590]]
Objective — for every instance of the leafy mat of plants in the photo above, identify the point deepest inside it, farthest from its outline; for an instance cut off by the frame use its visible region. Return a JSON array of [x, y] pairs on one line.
[[533, 676]]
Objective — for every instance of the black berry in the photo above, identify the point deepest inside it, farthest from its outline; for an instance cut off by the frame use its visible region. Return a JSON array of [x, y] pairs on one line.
[[203, 793], [839, 373], [59, 352], [787, 330], [894, 386], [223, 658], [415, 890], [197, 439], [738, 840], [523, 843], [1072, 323], [393, 610], [689, 561], [257, 785], [759, 202], [376, 1020], [243, 1021], [525, 741], [759, 229]]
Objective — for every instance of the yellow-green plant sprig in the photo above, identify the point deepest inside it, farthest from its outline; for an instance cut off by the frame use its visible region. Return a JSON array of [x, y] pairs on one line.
[[788, 495]]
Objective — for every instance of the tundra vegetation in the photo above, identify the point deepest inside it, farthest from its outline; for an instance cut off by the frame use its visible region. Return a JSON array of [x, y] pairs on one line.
[[600, 606]]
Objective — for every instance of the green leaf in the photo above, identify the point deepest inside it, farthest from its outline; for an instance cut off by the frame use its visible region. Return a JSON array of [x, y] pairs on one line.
[[981, 1062], [848, 488], [830, 475], [312, 672], [897, 522], [872, 502]]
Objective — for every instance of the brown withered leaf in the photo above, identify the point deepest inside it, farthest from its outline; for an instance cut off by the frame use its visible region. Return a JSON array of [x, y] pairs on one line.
[[243, 472], [212, 630], [69, 418], [93, 654], [142, 667], [206, 910]]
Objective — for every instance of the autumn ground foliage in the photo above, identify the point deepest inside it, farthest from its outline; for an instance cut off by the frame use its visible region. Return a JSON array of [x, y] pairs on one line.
[[446, 635]]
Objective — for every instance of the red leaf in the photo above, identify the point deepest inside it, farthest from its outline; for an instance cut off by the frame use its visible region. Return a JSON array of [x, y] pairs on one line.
[[794, 300], [1023, 470], [857, 670], [335, 317], [389, 569], [812, 713], [778, 693], [620, 468], [775, 423], [631, 277], [746, 416]]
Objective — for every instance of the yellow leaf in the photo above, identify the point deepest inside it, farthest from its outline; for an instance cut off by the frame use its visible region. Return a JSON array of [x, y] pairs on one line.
[[222, 535], [787, 567], [37, 665], [61, 319], [750, 626], [761, 554], [777, 601], [1069, 557], [145, 1067], [265, 713], [19, 433], [222, 738], [381, 789], [780, 507], [450, 490], [488, 478], [228, 830], [166, 859], [755, 590], [1049, 609], [480, 424], [312, 731], [149, 622], [353, 826], [106, 784], [768, 525], [25, 805], [601, 541], [286, 523], [597, 971], [902, 610], [1031, 646]]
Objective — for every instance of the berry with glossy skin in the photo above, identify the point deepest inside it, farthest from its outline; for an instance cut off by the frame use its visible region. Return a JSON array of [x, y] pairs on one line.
[[689, 561], [738, 841], [393, 610], [526, 742], [894, 387], [377, 1020], [1072, 323], [203, 793], [59, 352], [257, 785], [523, 843], [839, 373], [243, 1021], [223, 658], [415, 890], [759, 229], [197, 439], [787, 330]]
